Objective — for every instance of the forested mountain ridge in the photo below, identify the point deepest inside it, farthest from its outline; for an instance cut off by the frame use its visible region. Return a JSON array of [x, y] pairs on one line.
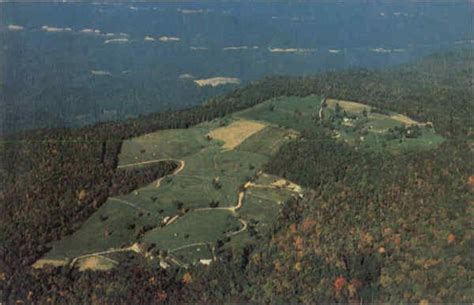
[[70, 161]]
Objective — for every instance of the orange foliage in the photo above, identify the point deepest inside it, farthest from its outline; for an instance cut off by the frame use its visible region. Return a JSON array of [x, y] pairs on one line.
[[470, 180], [161, 296], [339, 283], [82, 195], [367, 239], [298, 243], [387, 231], [397, 240], [187, 278], [307, 225], [451, 238], [277, 265], [293, 228]]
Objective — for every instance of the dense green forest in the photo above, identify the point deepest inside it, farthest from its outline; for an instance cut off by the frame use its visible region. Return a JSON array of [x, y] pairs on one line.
[[375, 227]]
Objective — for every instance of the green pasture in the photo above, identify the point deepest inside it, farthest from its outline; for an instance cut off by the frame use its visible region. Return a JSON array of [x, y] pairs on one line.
[[193, 253], [194, 227], [109, 227], [117, 222], [376, 135], [165, 144], [267, 141], [288, 112]]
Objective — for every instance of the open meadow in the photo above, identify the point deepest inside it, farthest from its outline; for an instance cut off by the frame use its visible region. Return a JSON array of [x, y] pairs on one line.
[[218, 192]]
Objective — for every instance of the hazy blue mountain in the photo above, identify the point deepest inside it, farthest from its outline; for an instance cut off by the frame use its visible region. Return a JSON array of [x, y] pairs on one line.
[[71, 64]]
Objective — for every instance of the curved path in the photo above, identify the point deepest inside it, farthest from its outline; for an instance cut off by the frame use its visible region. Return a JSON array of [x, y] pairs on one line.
[[145, 162], [135, 247], [181, 166], [230, 209], [188, 246], [244, 227], [129, 204]]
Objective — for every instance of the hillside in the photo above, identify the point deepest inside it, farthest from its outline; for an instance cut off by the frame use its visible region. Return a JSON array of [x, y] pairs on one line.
[[376, 223]]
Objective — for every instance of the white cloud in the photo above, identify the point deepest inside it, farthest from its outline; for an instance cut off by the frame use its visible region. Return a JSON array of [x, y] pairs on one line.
[[282, 50], [117, 40], [149, 38], [290, 50], [169, 39], [381, 50], [199, 48], [235, 48], [400, 14], [100, 73], [13, 27], [217, 81], [334, 51], [53, 29], [190, 11], [186, 76], [90, 31]]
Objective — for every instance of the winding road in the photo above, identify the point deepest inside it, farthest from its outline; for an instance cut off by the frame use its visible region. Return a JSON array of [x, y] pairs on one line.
[[136, 247]]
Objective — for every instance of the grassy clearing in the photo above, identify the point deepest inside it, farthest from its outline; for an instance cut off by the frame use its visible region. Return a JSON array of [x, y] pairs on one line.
[[164, 144], [194, 227], [360, 125], [110, 227], [267, 141], [210, 174], [235, 133], [347, 105], [193, 253], [96, 263], [52, 262], [259, 208], [215, 169], [262, 203], [288, 112], [216, 163]]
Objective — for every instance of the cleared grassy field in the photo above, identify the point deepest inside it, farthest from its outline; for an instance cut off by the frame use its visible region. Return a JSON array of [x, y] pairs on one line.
[[288, 112], [375, 131], [267, 141], [217, 161], [165, 144], [193, 253], [263, 201], [194, 227], [232, 135], [211, 173], [110, 227]]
